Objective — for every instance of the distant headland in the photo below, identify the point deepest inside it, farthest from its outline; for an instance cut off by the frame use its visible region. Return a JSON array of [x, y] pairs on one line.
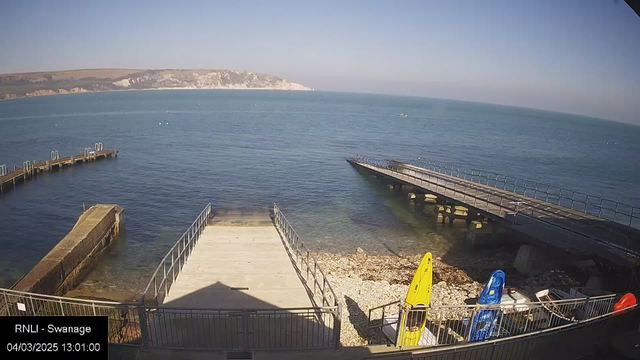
[[90, 80]]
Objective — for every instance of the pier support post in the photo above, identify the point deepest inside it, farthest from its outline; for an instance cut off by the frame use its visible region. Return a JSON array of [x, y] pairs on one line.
[[481, 234]]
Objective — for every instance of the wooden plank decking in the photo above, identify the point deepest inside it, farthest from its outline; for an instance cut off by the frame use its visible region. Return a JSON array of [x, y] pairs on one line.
[[535, 217], [23, 173]]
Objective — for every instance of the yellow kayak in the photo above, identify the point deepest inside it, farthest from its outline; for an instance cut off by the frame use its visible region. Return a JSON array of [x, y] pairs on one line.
[[419, 294]]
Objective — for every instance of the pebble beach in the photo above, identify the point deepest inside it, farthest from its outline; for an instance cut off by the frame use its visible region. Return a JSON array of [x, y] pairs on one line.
[[364, 281]]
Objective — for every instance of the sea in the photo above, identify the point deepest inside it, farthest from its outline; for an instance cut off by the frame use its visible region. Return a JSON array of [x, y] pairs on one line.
[[243, 150]]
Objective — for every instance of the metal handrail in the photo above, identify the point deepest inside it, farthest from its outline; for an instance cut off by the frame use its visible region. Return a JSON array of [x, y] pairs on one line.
[[304, 257], [176, 258], [305, 262], [575, 200], [489, 200], [154, 326], [61, 298], [603, 208], [469, 350], [452, 324], [531, 211], [124, 322]]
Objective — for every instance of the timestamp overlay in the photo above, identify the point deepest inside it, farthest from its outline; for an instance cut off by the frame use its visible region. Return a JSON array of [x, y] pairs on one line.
[[46, 337]]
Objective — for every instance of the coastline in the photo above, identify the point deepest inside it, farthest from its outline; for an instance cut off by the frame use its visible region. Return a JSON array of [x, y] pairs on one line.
[[66, 92]]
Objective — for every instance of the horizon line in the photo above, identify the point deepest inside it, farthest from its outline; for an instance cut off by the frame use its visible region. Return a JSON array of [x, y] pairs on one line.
[[315, 89]]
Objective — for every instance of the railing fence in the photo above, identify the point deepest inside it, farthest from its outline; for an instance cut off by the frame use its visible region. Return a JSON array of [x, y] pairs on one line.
[[172, 263], [491, 201], [586, 203], [596, 206], [123, 318], [461, 324], [239, 329], [312, 276], [571, 341], [150, 325]]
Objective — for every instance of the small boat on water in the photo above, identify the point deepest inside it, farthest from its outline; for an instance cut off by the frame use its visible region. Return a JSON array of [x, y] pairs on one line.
[[402, 115]]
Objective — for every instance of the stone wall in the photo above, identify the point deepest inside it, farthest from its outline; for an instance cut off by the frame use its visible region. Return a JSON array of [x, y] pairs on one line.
[[74, 256]]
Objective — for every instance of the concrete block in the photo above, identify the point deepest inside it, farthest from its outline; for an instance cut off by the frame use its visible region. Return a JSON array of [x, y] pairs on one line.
[[595, 282], [532, 260], [430, 198]]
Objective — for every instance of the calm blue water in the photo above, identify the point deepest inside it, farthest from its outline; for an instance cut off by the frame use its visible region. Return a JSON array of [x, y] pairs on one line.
[[248, 149]]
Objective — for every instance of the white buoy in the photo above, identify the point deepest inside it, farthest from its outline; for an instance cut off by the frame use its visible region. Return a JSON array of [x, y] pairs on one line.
[[159, 123]]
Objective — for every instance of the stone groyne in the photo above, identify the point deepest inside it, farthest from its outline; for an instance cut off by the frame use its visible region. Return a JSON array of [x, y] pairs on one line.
[[73, 257]]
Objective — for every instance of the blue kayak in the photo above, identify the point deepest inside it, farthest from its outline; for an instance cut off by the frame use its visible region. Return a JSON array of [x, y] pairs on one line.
[[484, 321]]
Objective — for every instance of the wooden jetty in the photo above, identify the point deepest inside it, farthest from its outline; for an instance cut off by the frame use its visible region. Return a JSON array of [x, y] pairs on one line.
[[30, 169], [539, 218]]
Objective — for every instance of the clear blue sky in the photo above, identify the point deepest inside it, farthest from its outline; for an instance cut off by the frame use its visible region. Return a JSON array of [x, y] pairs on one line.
[[576, 56]]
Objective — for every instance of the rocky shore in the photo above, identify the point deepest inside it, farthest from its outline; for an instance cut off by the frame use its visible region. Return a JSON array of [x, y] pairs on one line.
[[363, 281]]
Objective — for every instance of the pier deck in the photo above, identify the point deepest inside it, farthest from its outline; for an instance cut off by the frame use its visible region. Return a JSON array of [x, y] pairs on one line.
[[542, 220], [26, 172], [238, 267]]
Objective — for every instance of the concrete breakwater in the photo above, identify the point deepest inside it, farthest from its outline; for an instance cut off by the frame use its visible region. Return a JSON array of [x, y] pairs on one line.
[[71, 259]]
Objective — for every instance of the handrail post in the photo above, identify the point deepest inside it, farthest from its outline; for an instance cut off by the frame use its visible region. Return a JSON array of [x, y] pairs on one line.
[[164, 270], [600, 212], [324, 286], [586, 204], [337, 325], [142, 320]]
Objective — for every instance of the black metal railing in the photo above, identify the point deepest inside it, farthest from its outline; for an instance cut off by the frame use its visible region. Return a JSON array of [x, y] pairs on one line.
[[504, 203], [173, 262], [239, 329], [593, 205]]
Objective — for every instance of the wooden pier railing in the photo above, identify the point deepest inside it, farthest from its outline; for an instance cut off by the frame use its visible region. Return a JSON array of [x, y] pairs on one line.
[[31, 169]]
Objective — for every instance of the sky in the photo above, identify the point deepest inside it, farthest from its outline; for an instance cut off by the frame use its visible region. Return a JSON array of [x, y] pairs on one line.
[[575, 56]]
